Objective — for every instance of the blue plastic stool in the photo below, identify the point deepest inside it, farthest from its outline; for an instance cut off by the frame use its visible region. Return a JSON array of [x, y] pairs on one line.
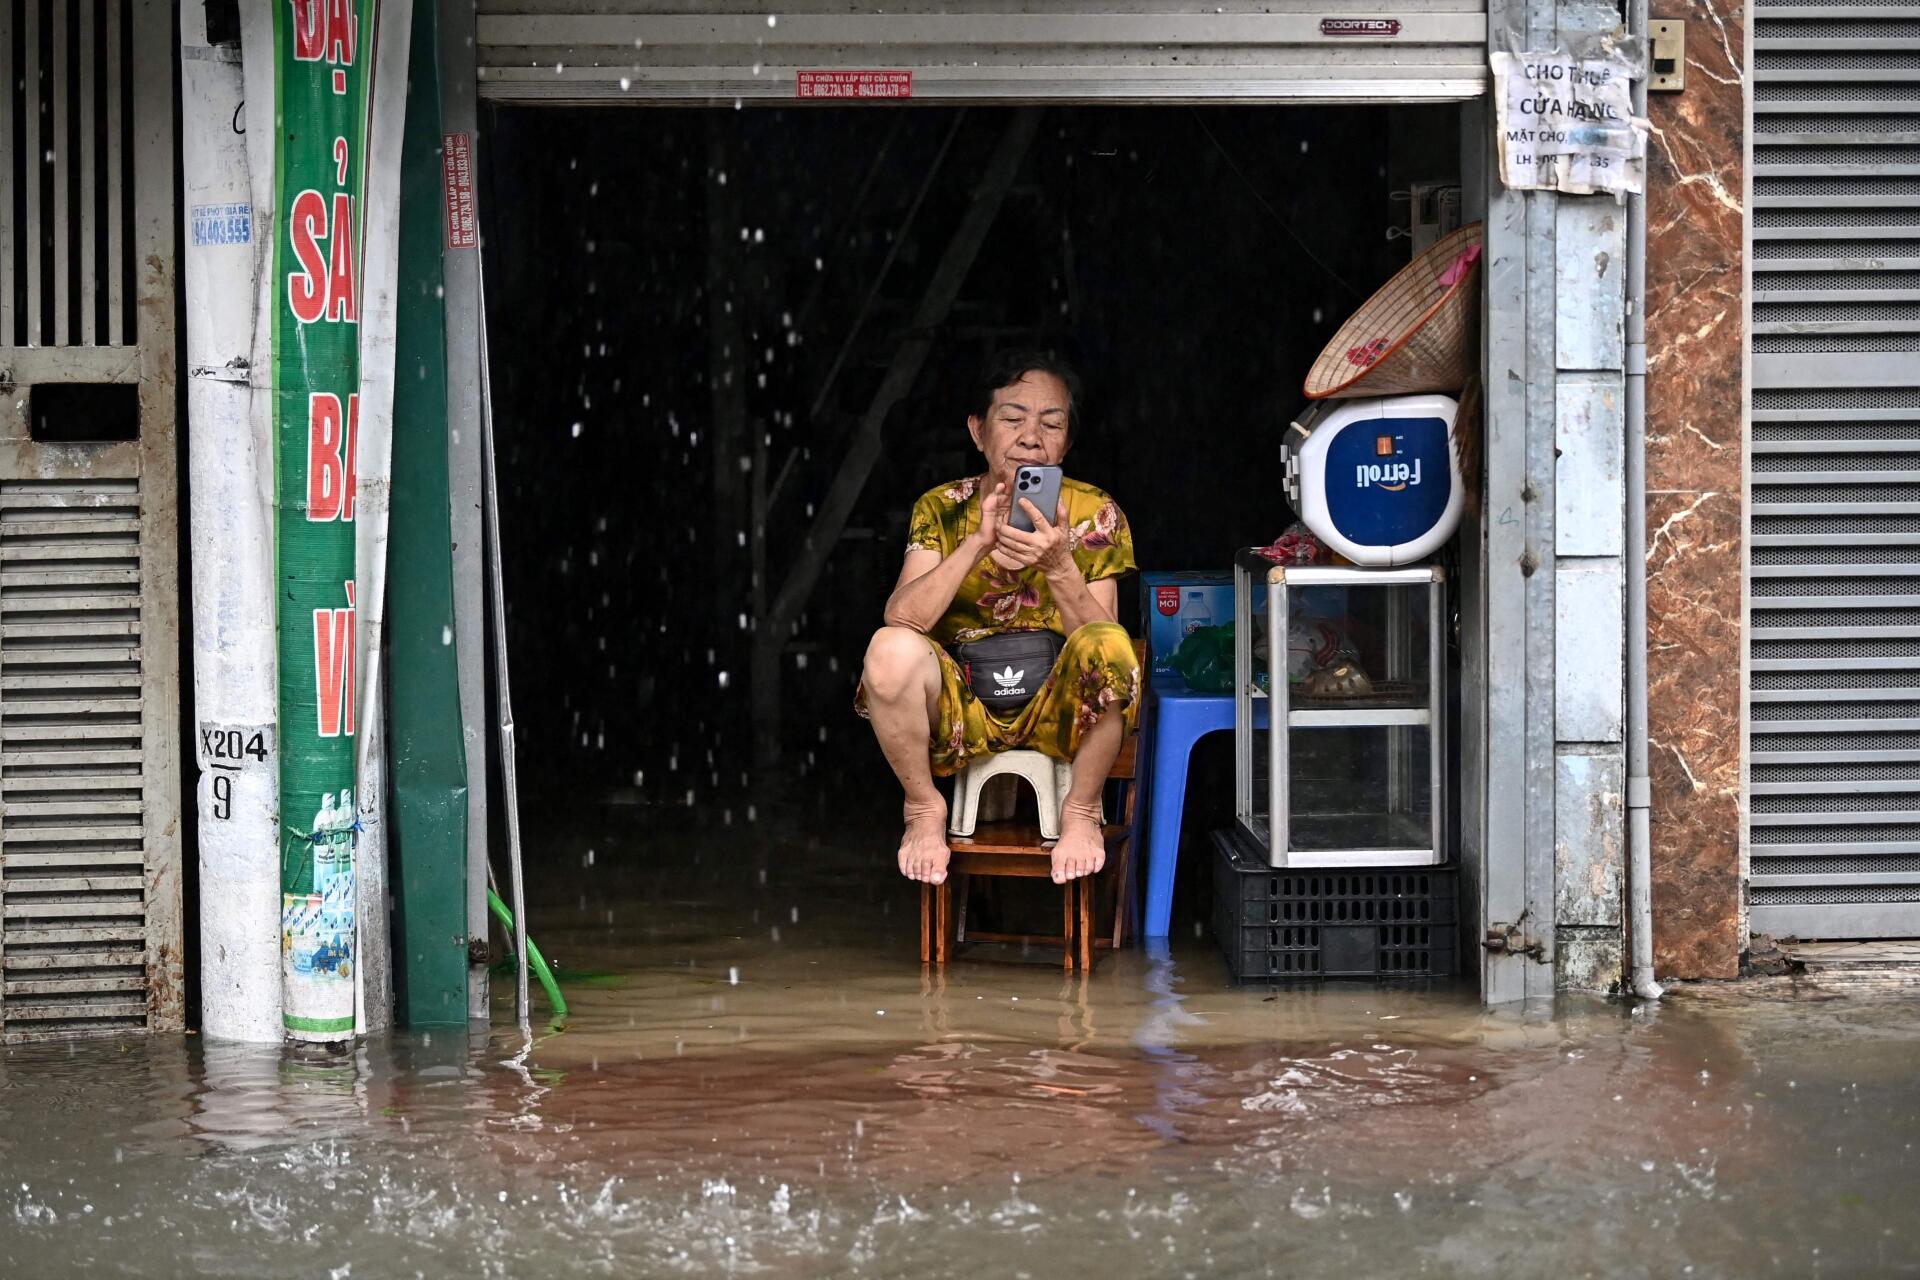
[[1178, 718]]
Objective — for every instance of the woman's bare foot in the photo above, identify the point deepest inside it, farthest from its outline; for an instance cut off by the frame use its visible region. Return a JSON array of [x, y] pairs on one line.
[[923, 849], [1081, 849]]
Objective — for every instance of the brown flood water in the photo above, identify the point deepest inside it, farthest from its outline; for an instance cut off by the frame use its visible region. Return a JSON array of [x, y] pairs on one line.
[[759, 1079]]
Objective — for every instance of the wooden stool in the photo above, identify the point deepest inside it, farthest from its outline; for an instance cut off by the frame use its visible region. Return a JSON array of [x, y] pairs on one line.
[[1010, 848]]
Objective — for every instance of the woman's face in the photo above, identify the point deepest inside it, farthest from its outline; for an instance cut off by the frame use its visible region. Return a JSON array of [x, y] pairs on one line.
[[1026, 424]]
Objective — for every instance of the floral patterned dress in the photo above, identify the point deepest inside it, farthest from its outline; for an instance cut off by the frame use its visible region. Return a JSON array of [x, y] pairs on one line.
[[1097, 668]]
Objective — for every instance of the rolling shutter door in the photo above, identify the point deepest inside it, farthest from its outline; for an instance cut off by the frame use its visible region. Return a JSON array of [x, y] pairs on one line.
[[89, 660], [1119, 50], [1835, 441]]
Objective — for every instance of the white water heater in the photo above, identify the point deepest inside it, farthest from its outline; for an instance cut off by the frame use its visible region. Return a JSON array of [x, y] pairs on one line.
[[1377, 480]]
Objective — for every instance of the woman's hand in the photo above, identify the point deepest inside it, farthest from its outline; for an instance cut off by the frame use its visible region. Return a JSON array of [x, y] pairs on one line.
[[1047, 546], [993, 521]]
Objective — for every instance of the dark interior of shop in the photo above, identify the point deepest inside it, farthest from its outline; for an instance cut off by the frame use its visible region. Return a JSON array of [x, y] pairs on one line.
[[693, 312]]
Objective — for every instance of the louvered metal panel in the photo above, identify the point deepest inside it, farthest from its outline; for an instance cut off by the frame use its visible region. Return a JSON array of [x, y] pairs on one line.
[[1834, 534], [64, 122], [958, 50], [89, 720]]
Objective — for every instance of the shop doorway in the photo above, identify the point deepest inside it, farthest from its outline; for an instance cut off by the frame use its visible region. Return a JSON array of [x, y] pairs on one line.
[[729, 348]]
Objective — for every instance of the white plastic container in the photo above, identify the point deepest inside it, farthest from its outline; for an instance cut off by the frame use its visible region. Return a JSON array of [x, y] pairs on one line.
[[1377, 480]]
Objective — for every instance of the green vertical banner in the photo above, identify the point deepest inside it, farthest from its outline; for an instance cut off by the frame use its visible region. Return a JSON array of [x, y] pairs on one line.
[[323, 64]]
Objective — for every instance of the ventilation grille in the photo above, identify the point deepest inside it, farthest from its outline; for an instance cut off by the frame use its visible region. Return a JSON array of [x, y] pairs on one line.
[[1870, 802], [1837, 91], [67, 257], [1836, 312], [1821, 695], [1771, 713], [1799, 343], [1799, 250], [1834, 526], [1876, 281], [1817, 558], [1765, 60], [1867, 588], [1781, 494], [1776, 463], [1845, 745], [1852, 29], [1844, 865], [1817, 432], [1898, 216], [1786, 153], [1832, 4], [1776, 398], [72, 853], [1842, 833], [1836, 651], [1776, 122], [1850, 771], [1837, 619], [1873, 186], [1771, 895]]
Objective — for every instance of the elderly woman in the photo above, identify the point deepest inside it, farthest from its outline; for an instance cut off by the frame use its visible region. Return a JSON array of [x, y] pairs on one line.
[[970, 574]]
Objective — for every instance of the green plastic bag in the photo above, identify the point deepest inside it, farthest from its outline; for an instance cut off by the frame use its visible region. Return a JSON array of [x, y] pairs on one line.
[[1205, 659]]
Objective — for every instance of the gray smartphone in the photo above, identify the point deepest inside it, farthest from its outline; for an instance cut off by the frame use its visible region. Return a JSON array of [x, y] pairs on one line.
[[1038, 484]]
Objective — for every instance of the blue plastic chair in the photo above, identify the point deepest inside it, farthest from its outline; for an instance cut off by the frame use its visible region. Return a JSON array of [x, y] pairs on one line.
[[1177, 717]]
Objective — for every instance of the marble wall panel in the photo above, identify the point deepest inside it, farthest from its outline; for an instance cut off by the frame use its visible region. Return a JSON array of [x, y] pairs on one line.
[[1695, 468]]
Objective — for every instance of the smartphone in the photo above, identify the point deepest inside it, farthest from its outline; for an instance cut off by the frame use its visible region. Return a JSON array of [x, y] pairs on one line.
[[1039, 485]]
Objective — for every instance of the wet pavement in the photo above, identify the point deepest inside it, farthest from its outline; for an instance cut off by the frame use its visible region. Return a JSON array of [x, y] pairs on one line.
[[759, 1079]]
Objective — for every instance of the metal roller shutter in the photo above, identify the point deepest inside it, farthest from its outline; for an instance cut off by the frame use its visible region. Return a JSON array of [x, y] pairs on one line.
[[1120, 50], [89, 660], [1835, 453]]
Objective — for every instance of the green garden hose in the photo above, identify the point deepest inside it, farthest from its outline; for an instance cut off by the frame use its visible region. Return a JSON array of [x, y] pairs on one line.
[[535, 961]]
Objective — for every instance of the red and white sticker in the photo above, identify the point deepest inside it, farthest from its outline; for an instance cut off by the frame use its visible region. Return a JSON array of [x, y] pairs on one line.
[[854, 84], [1166, 600], [457, 159], [1359, 26]]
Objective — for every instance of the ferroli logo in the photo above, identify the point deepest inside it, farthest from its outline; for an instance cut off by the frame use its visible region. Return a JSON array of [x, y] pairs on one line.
[[1391, 476], [1359, 26]]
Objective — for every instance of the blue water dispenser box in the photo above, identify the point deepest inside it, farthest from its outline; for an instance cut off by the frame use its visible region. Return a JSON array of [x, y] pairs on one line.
[[1174, 602], [1377, 480]]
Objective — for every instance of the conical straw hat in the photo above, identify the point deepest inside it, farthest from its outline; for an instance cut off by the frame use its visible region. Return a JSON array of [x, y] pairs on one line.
[[1417, 334]]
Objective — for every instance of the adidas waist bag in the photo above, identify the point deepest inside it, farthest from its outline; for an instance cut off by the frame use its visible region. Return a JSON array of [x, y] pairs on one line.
[[1007, 670]]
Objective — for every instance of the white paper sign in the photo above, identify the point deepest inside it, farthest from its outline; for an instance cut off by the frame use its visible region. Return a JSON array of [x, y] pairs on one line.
[[1567, 124]]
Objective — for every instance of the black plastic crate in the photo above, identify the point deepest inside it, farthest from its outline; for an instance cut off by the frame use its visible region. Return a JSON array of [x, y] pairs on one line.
[[1298, 925]]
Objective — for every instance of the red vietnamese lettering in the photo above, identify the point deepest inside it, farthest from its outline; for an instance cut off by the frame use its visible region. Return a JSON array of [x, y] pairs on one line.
[[306, 291], [341, 295], [326, 480], [347, 622], [309, 29], [333, 668], [342, 28]]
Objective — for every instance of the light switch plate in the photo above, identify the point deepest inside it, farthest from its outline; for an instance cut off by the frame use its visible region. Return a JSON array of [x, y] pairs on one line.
[[1667, 58]]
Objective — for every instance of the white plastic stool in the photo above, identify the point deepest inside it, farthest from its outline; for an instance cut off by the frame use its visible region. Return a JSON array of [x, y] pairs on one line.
[[1050, 779]]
